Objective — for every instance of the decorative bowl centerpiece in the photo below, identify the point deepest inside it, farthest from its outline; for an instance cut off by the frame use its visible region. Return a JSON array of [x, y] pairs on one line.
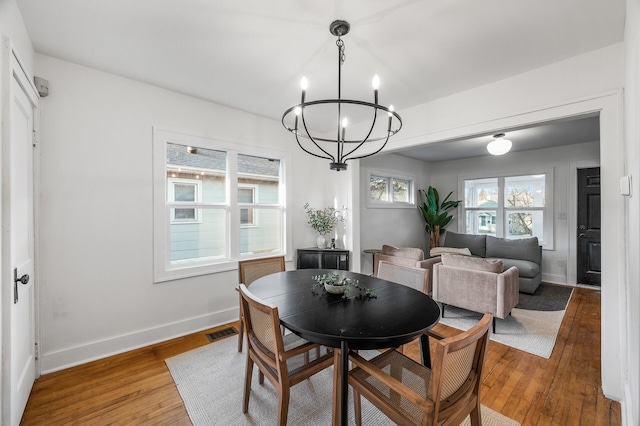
[[334, 284]]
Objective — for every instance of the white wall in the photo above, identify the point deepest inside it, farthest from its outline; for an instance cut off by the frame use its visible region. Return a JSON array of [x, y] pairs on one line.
[[400, 227], [95, 218], [444, 176], [12, 26]]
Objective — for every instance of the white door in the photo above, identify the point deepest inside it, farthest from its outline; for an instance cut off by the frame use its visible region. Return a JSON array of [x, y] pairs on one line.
[[19, 350]]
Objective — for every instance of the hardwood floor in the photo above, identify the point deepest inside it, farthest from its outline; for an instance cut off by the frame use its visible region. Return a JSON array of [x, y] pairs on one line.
[[136, 387]]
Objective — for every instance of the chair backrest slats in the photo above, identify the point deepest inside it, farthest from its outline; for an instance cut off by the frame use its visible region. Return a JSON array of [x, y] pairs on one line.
[[251, 270]]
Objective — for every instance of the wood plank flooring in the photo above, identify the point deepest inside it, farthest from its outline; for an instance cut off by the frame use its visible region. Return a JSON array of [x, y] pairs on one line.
[[136, 387]]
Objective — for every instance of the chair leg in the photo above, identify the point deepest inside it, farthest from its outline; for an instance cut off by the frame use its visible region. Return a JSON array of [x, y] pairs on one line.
[[357, 407], [336, 387], [283, 406], [476, 415], [248, 374], [240, 334]]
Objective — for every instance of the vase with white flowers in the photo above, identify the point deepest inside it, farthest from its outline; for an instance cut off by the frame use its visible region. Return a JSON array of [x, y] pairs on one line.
[[323, 221]]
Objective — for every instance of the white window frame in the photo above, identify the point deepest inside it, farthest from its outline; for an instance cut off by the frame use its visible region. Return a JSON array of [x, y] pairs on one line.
[[547, 241], [252, 205], [163, 269], [184, 205], [391, 204]]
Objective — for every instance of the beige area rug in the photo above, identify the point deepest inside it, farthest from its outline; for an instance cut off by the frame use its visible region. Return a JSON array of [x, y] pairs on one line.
[[210, 380], [530, 331]]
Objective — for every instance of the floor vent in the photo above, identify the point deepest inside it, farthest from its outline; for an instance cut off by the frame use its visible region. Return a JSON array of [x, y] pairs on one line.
[[230, 331]]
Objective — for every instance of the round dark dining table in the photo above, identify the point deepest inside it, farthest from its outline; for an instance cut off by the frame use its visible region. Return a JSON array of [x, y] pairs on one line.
[[398, 315]]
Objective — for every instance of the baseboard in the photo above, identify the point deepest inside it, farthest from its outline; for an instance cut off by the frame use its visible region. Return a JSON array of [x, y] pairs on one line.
[[554, 279], [81, 354]]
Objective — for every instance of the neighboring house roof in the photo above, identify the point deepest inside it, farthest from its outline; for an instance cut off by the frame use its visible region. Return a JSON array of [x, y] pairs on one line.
[[209, 159], [488, 203]]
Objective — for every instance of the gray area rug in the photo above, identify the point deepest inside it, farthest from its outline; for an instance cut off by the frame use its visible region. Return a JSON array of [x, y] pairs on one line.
[[210, 380], [547, 297]]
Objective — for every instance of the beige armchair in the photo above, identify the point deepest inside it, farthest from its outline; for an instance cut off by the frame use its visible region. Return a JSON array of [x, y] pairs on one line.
[[402, 256], [475, 284]]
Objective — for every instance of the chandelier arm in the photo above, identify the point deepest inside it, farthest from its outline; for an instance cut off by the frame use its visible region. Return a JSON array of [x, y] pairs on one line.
[[370, 154], [375, 118], [310, 152], [304, 123]]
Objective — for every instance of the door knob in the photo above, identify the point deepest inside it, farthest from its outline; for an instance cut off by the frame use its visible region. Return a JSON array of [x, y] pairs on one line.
[[23, 279], [582, 235]]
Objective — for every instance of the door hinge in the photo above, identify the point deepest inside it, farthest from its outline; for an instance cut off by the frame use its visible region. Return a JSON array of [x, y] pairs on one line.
[[34, 138], [37, 351]]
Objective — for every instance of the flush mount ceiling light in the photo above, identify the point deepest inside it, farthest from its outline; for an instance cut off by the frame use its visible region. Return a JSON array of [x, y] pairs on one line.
[[499, 145], [373, 139]]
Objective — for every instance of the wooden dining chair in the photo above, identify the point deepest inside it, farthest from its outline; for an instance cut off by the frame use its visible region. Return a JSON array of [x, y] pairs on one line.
[[410, 276], [410, 393], [284, 360], [251, 270]]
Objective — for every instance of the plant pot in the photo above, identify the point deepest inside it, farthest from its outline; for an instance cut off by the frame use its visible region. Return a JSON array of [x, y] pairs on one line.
[[334, 289], [321, 242]]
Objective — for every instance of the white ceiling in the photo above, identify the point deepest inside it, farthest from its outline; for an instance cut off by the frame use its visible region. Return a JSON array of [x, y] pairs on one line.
[[251, 54]]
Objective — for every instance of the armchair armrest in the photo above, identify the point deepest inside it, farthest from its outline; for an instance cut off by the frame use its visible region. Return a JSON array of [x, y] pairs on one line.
[[388, 380]]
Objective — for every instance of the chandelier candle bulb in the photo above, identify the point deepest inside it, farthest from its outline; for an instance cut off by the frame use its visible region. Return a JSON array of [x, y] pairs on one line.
[[304, 83], [375, 83], [344, 127], [390, 113]]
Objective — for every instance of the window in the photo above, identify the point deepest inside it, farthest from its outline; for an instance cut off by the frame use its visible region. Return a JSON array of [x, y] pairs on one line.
[[390, 190], [208, 197], [247, 194], [510, 207], [184, 191]]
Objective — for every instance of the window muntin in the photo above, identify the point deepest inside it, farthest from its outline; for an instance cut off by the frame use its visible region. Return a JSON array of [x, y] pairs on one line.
[[510, 206], [181, 190], [390, 190], [204, 225]]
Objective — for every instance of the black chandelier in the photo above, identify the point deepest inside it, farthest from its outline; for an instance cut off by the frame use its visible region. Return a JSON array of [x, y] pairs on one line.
[[320, 146]]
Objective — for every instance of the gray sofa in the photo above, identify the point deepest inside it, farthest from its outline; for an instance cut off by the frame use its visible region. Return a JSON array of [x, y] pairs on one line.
[[525, 254]]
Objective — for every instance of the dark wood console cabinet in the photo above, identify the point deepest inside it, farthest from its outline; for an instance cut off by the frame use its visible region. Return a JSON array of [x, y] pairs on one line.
[[315, 258]]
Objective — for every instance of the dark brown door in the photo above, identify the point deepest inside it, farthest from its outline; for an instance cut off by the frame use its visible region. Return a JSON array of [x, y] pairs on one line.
[[588, 232]]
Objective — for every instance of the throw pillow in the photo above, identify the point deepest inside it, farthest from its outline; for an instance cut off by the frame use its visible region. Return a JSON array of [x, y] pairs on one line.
[[437, 251], [475, 263]]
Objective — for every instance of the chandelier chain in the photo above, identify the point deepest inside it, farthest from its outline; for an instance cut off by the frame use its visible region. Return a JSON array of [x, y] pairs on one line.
[[340, 45]]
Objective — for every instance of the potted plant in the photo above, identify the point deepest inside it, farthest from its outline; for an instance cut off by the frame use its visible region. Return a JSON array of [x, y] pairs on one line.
[[435, 214], [335, 284], [323, 221]]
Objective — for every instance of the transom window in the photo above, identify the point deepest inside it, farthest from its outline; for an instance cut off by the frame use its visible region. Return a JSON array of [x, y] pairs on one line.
[[208, 198], [510, 207], [390, 190]]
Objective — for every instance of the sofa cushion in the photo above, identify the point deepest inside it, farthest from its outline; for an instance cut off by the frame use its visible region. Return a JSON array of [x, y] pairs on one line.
[[475, 263], [524, 249], [475, 243], [526, 269], [408, 252], [437, 251]]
